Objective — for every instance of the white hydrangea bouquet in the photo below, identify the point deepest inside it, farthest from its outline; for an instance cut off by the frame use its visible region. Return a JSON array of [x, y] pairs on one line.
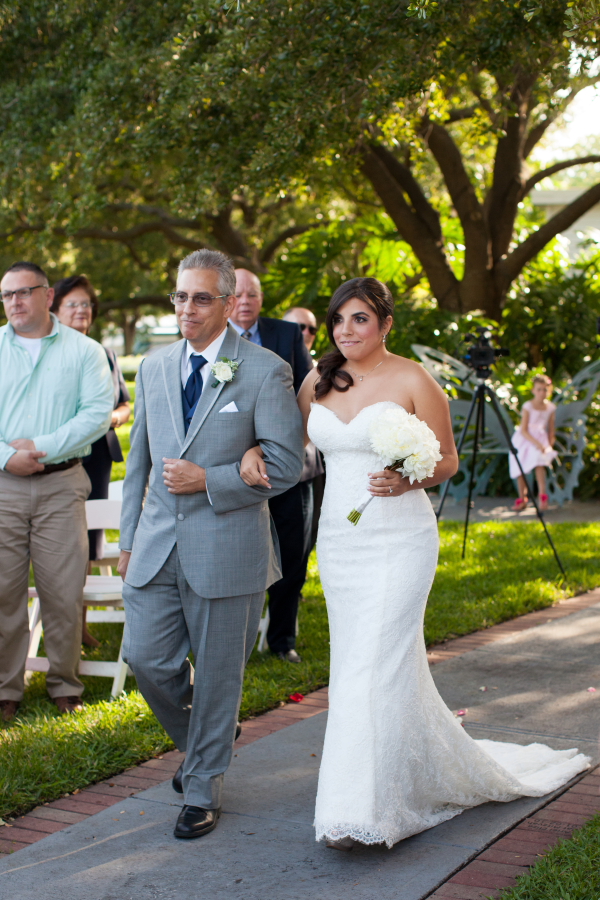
[[405, 443]]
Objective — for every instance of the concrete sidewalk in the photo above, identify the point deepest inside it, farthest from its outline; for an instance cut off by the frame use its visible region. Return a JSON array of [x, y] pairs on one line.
[[500, 509], [264, 847]]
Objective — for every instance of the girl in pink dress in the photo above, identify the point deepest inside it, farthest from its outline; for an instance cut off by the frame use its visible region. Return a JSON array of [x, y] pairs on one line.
[[533, 440]]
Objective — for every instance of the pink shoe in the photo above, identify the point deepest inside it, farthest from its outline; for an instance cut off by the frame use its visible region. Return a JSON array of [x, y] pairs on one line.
[[543, 501], [520, 504]]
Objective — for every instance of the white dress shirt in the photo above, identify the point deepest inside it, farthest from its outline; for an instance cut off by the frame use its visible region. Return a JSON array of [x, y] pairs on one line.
[[210, 354]]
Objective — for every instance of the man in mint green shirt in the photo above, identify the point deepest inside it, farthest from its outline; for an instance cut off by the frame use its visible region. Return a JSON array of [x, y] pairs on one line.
[[56, 399]]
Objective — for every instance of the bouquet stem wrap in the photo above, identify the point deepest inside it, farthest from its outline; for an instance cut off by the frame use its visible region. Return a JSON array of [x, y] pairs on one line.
[[407, 444], [359, 509]]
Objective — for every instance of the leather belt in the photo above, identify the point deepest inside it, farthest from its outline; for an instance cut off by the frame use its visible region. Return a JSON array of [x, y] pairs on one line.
[[60, 467]]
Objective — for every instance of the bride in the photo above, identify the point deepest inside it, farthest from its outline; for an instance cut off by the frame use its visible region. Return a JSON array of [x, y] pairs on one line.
[[395, 760]]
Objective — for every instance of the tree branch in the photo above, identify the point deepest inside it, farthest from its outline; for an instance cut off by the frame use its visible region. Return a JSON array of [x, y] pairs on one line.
[[511, 266], [267, 252], [130, 234], [551, 170], [227, 236], [159, 212], [457, 115], [501, 203], [461, 190], [21, 229], [404, 177], [412, 228]]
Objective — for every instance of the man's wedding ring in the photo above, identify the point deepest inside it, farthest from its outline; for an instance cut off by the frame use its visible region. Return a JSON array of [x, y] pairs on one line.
[[391, 490]]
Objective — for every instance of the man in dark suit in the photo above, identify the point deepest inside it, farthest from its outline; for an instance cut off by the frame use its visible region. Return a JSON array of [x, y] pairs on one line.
[[292, 511]]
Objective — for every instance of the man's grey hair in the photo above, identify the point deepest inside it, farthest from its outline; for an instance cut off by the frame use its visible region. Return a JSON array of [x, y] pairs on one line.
[[212, 259]]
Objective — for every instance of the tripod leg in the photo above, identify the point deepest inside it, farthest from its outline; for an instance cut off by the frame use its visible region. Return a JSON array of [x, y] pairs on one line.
[[480, 395], [512, 450], [461, 441]]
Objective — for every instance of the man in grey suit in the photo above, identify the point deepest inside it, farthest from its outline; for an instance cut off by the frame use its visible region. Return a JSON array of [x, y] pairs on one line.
[[199, 549]]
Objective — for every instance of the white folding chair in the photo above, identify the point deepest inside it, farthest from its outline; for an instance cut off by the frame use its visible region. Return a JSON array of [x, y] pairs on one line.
[[102, 514], [99, 590], [115, 490], [262, 631]]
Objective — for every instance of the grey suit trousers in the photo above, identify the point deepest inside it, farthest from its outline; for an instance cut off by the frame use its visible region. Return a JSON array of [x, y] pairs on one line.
[[197, 705]]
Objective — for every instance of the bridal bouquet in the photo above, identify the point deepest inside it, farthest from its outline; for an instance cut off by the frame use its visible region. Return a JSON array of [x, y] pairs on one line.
[[404, 443]]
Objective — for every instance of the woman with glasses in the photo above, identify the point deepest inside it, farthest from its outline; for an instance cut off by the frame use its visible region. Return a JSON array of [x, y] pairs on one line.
[[76, 305]]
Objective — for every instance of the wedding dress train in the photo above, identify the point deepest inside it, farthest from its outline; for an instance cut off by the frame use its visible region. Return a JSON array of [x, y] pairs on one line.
[[395, 760]]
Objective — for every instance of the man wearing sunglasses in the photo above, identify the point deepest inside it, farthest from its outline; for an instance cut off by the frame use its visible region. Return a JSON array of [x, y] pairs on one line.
[[305, 319]]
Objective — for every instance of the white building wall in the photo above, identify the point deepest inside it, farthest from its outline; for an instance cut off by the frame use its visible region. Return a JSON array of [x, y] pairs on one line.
[[588, 226]]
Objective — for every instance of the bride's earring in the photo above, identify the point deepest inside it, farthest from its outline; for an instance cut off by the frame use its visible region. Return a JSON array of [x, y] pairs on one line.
[[384, 338]]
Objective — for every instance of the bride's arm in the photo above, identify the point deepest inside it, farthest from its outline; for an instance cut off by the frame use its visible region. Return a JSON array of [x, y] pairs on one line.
[[253, 469], [306, 396], [432, 406]]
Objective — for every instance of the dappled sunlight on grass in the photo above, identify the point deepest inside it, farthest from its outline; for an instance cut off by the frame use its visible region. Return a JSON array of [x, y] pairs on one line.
[[509, 570], [44, 755]]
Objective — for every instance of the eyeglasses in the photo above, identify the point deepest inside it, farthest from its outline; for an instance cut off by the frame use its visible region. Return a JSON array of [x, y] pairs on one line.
[[21, 293], [310, 328], [180, 298], [83, 305]]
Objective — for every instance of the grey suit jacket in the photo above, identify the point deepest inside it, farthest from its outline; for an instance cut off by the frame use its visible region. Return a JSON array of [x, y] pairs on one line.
[[228, 548]]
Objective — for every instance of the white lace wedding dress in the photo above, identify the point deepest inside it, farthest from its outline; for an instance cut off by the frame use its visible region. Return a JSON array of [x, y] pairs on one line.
[[395, 760]]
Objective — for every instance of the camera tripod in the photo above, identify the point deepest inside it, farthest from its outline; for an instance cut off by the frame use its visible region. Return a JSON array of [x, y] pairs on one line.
[[478, 406]]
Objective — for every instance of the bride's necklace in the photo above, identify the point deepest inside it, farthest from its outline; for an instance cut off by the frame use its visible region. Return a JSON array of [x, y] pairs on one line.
[[360, 377]]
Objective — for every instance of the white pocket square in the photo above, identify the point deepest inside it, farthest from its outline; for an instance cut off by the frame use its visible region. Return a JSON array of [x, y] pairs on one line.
[[231, 407]]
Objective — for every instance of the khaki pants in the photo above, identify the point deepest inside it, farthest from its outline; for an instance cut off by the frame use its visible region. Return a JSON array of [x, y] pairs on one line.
[[42, 521]]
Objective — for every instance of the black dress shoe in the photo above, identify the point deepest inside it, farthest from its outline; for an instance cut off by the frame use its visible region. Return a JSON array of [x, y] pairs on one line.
[[178, 776], [194, 821]]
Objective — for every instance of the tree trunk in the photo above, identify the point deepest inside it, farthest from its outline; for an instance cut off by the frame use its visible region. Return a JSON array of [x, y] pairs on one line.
[[416, 228], [129, 322], [491, 264]]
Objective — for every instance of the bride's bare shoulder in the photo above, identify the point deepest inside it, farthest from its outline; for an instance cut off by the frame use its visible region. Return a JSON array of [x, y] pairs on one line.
[[306, 394], [408, 369], [308, 385]]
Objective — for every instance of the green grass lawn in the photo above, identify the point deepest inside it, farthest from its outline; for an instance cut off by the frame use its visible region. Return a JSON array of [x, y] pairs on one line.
[[509, 571], [570, 871]]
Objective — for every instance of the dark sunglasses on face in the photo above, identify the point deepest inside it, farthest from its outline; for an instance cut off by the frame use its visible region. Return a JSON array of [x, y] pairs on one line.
[[310, 328]]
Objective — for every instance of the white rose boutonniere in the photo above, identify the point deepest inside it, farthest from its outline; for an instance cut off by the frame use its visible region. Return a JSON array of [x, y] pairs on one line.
[[223, 371]]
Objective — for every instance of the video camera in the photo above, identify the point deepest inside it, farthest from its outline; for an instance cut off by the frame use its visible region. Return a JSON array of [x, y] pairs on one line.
[[481, 355]]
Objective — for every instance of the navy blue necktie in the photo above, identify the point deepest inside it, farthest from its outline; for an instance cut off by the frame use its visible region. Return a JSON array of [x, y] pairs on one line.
[[192, 390]]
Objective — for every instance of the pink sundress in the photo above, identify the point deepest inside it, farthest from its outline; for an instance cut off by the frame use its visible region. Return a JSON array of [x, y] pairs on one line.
[[529, 455]]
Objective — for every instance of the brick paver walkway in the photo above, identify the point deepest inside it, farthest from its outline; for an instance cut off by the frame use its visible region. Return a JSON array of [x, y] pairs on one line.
[[501, 863], [497, 867], [75, 807]]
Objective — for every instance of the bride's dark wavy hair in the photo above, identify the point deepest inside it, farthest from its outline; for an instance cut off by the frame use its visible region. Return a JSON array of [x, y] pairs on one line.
[[378, 296]]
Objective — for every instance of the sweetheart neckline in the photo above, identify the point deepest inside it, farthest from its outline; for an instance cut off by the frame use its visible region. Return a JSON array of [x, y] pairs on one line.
[[370, 405]]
